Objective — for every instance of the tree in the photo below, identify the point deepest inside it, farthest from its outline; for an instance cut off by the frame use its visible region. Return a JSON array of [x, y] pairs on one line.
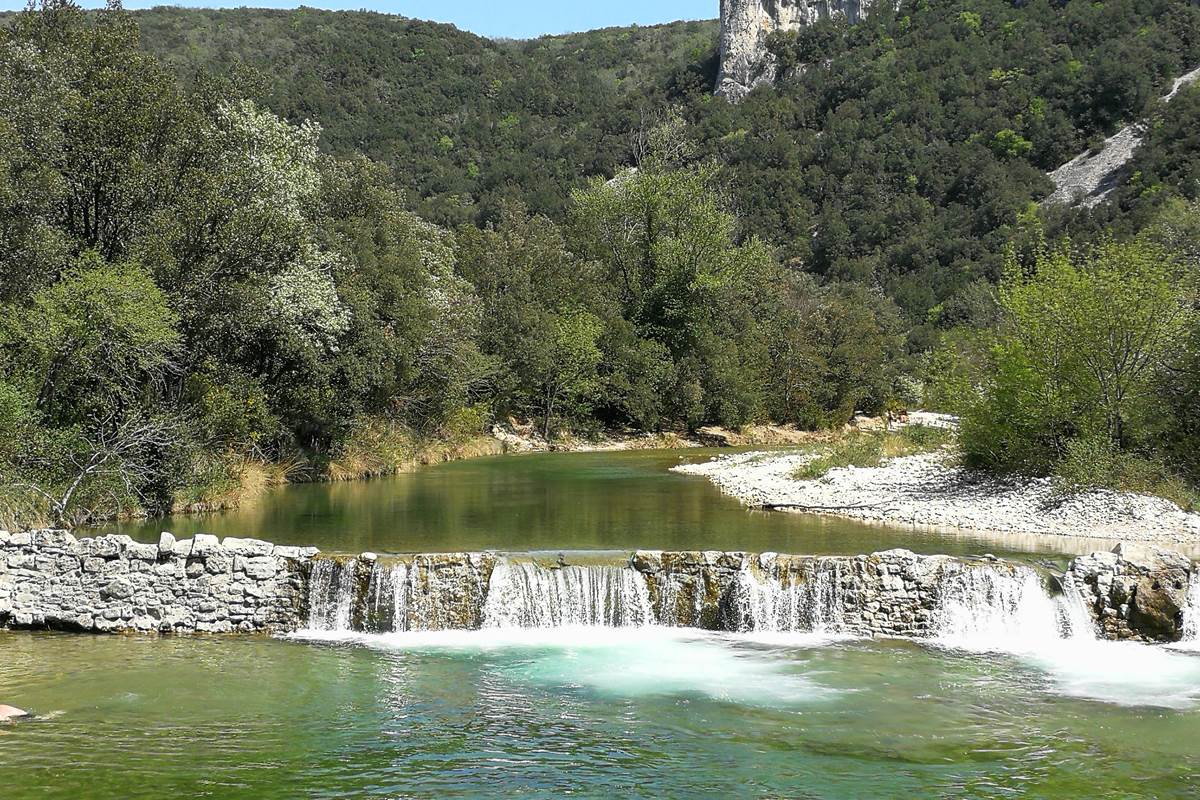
[[666, 241], [99, 341], [1085, 340], [539, 303], [834, 350], [85, 367], [564, 365]]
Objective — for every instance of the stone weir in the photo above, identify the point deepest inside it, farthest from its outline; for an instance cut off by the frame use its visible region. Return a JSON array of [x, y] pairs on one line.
[[50, 579]]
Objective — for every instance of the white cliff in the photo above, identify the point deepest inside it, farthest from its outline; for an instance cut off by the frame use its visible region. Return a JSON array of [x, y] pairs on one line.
[[746, 25]]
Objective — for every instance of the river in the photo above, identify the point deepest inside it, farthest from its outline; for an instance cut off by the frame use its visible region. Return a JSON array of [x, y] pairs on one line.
[[595, 711], [615, 501]]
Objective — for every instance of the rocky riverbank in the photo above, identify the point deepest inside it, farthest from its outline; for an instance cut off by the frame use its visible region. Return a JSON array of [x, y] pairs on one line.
[[515, 437], [929, 490]]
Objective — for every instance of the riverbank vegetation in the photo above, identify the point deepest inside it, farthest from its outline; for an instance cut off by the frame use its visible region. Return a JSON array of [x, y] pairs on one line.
[[1090, 375], [204, 292], [866, 448]]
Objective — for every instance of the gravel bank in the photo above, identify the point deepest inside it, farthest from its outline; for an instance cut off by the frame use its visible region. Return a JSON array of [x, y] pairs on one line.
[[925, 490]]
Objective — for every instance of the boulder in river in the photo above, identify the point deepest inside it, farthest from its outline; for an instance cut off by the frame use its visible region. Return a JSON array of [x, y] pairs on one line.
[[10, 713], [1136, 592]]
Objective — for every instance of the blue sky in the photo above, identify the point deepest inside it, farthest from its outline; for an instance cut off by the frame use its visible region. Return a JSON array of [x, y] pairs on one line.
[[514, 18]]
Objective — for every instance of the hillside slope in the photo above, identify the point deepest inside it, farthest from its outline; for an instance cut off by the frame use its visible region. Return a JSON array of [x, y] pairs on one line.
[[463, 120], [898, 152], [1090, 177]]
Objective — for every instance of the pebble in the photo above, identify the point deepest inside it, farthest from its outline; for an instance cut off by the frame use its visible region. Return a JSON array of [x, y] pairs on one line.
[[927, 490]]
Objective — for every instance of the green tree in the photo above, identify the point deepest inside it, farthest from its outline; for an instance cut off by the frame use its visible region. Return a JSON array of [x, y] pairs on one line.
[[564, 365], [87, 364], [666, 242], [1085, 340]]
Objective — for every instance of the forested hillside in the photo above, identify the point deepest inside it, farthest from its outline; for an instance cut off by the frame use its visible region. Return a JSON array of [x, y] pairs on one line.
[[464, 122], [243, 246], [897, 152]]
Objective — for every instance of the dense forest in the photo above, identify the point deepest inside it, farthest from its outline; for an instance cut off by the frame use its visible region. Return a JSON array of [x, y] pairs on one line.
[[240, 246]]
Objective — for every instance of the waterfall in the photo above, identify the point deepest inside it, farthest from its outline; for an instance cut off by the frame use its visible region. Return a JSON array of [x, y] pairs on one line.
[[813, 602], [992, 608], [1191, 613], [1078, 622], [331, 590], [387, 599], [981, 606], [525, 595], [681, 600], [336, 601]]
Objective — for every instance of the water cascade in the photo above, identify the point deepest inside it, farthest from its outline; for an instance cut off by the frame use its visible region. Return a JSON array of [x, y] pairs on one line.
[[1007, 607], [1191, 612], [331, 593], [788, 600], [526, 595], [358, 596], [979, 605]]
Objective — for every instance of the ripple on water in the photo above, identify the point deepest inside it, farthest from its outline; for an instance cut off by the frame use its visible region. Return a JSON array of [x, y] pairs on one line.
[[597, 712]]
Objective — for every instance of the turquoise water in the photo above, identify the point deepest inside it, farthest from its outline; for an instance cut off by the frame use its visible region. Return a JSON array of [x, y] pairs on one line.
[[594, 713]]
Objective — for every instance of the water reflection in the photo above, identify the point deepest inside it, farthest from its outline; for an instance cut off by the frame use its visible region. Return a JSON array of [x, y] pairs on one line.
[[568, 501]]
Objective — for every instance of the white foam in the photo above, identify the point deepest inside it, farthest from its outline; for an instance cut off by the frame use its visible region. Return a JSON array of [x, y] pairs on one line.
[[626, 662], [1122, 673]]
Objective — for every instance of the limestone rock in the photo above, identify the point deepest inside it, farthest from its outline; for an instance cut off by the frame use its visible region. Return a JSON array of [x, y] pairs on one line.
[[8, 713], [203, 544], [247, 547], [1136, 592], [142, 552], [747, 25]]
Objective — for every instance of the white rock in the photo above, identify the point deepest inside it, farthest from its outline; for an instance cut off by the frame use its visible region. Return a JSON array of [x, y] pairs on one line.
[[204, 543], [247, 547]]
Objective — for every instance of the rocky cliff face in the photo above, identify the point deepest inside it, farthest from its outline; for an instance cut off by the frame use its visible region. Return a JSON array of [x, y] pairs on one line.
[[747, 24]]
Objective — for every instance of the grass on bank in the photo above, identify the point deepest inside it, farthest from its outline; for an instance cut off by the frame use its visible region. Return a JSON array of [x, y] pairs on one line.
[[1093, 463], [873, 448]]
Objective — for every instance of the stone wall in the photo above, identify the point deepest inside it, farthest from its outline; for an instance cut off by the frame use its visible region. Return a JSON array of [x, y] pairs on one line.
[[50, 579], [890, 593], [1136, 592]]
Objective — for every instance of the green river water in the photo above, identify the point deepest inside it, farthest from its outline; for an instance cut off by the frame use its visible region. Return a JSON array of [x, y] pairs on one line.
[[589, 712], [564, 501]]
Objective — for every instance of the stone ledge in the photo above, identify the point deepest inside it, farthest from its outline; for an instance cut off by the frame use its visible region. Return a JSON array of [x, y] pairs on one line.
[[51, 579]]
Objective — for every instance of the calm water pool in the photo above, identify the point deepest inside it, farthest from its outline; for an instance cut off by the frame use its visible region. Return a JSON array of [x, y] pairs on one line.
[[564, 501]]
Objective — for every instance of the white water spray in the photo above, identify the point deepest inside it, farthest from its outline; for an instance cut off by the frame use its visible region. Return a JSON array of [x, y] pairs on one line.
[[1191, 613], [331, 595], [525, 595], [789, 602], [997, 609]]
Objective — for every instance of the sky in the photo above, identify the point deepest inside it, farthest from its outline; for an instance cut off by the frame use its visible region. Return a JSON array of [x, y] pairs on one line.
[[510, 18]]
